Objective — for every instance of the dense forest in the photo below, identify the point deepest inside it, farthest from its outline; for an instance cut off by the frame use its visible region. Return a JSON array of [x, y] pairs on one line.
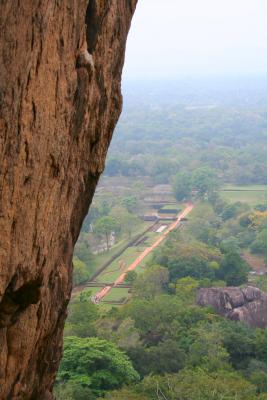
[[204, 139], [161, 344], [172, 126]]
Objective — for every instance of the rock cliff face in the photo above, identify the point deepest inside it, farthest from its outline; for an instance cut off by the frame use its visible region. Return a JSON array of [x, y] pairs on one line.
[[60, 72], [248, 305]]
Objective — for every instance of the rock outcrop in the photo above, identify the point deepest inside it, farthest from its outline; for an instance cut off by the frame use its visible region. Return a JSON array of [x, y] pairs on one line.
[[248, 305], [60, 98]]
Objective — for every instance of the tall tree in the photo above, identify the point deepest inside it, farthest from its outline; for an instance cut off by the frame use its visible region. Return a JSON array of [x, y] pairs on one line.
[[104, 227], [205, 181], [182, 186], [233, 269], [95, 364]]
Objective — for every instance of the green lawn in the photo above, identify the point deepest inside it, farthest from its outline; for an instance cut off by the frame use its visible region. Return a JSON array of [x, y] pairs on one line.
[[114, 271], [117, 294], [251, 195], [144, 263], [93, 290], [245, 187], [172, 207]]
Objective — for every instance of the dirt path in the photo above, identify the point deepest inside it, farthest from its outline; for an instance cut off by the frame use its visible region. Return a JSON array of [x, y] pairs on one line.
[[79, 288], [103, 292], [256, 263]]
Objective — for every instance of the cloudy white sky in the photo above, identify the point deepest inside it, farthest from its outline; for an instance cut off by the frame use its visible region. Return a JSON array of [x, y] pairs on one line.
[[170, 38]]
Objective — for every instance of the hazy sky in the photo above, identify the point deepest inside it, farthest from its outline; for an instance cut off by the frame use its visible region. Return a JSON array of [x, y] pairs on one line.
[[170, 38]]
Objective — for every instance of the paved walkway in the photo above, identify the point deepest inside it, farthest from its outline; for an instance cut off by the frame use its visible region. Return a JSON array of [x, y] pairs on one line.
[[103, 292]]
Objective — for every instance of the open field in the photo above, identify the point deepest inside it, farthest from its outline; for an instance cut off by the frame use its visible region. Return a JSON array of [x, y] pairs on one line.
[[251, 195], [245, 187], [113, 271], [117, 294], [171, 207]]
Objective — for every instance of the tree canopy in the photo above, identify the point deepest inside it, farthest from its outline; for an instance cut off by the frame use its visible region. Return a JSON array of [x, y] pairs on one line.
[[95, 364]]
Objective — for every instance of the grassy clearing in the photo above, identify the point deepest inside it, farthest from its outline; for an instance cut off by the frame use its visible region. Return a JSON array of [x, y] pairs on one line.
[[245, 187], [117, 294], [172, 207], [114, 270], [144, 263], [251, 195], [93, 290]]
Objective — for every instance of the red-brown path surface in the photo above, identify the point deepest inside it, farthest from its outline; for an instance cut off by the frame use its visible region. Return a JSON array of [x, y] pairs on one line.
[[102, 293]]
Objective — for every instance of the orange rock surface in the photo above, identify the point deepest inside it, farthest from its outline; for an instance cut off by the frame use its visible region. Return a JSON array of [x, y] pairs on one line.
[[60, 98]]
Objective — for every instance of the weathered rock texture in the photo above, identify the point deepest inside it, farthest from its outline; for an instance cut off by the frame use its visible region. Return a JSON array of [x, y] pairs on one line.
[[248, 305], [60, 99]]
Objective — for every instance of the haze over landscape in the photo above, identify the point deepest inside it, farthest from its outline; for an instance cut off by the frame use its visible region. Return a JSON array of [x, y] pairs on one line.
[[173, 38]]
